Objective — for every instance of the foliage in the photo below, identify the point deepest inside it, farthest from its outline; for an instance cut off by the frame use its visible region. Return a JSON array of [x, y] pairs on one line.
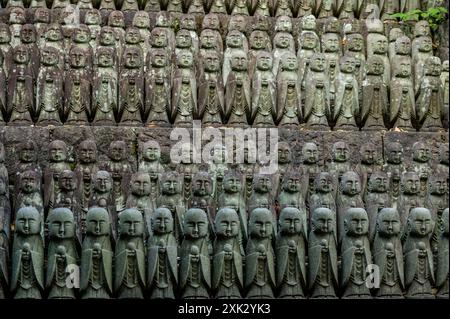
[[434, 15]]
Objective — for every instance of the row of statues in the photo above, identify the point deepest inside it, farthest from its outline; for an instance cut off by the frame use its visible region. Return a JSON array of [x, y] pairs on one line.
[[154, 76], [344, 9], [288, 263]]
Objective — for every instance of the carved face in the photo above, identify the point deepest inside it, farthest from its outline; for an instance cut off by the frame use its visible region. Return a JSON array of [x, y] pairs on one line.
[[421, 152], [388, 222], [131, 223], [368, 154], [290, 221], [381, 45], [105, 58], [151, 151], [264, 62], [378, 182], [28, 221], [162, 221], [284, 153], [67, 181], [195, 224], [443, 154], [289, 62], [140, 184], [323, 220], [395, 33], [234, 40], [238, 23], [422, 28], [232, 184], [227, 223], [309, 22], [317, 63], [21, 55], [404, 68], [117, 151], [433, 66], [350, 184], [425, 45], [5, 34], [82, 35], [262, 183], [42, 15], [185, 59], [309, 41], [291, 183], [29, 182], [159, 39], [53, 33], [28, 34], [107, 36], [283, 24], [77, 58], [410, 183], [102, 182], [403, 46], [211, 21], [116, 19], [87, 152], [93, 17], [375, 66], [49, 56], [324, 182], [356, 222], [141, 20], [330, 42], [347, 64], [211, 62], [61, 224], [282, 40], [17, 15], [310, 153], [183, 39], [202, 186], [394, 153], [356, 43], [438, 185], [340, 152], [445, 66], [420, 222], [239, 62], [97, 222], [170, 186], [258, 40], [207, 39], [260, 223], [57, 151], [132, 36]]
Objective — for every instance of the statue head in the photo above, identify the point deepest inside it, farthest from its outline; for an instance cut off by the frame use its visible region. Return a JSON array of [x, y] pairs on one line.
[[93, 17], [402, 67], [117, 151], [310, 153], [258, 40], [290, 221], [87, 152], [227, 223], [49, 56], [78, 57], [284, 153], [347, 64], [368, 153], [380, 45], [159, 38], [81, 34], [208, 39], [53, 33], [5, 33], [98, 222], [140, 184], [185, 59], [350, 183], [202, 184], [264, 61], [57, 151], [61, 223], [262, 183], [282, 40], [422, 28], [260, 223], [388, 222], [232, 182], [395, 33], [162, 221], [211, 62], [183, 39], [323, 183], [330, 42], [151, 151], [308, 40], [340, 152], [444, 222], [17, 16], [105, 57], [410, 183], [421, 152], [102, 182], [403, 45], [375, 65], [28, 33], [116, 19], [107, 36], [187, 22], [238, 23], [141, 20], [21, 54], [420, 222], [239, 61], [356, 222], [27, 151], [67, 181], [443, 154], [394, 152], [163, 19], [355, 42], [234, 39], [425, 44], [28, 221], [29, 182], [283, 24], [170, 183], [309, 22], [322, 220], [433, 66], [131, 223], [445, 66], [211, 21], [195, 224], [133, 36], [42, 15], [291, 182], [437, 184], [378, 182]]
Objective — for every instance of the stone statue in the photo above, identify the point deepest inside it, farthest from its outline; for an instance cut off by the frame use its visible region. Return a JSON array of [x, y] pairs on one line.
[[409, 195], [107, 39], [202, 196], [283, 8], [317, 94], [234, 44], [131, 88], [356, 255], [117, 23], [388, 254], [139, 197], [102, 195], [442, 260], [151, 164], [374, 96], [104, 87], [210, 41], [80, 38], [28, 192], [57, 156], [77, 88], [310, 45], [289, 111], [93, 20], [323, 195], [259, 41], [62, 253], [349, 197], [171, 198], [184, 90], [421, 156], [394, 34], [346, 107], [402, 48], [437, 197], [53, 37], [394, 168], [422, 50], [28, 38], [261, 196], [430, 99], [442, 166], [228, 254], [211, 107], [291, 254], [237, 93], [5, 47], [419, 271], [312, 165], [27, 278], [379, 48], [162, 256], [141, 21], [158, 88], [283, 43], [260, 258], [332, 50], [376, 198], [369, 163], [20, 103], [163, 35], [16, 21], [183, 43], [339, 163], [389, 7], [402, 101], [233, 197], [120, 169], [49, 90], [263, 92], [129, 257], [444, 80], [41, 19], [188, 22], [322, 252], [355, 47], [325, 8], [291, 192], [27, 160], [195, 251], [97, 255]]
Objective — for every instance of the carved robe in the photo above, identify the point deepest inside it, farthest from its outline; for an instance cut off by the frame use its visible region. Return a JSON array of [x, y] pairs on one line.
[[49, 95]]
